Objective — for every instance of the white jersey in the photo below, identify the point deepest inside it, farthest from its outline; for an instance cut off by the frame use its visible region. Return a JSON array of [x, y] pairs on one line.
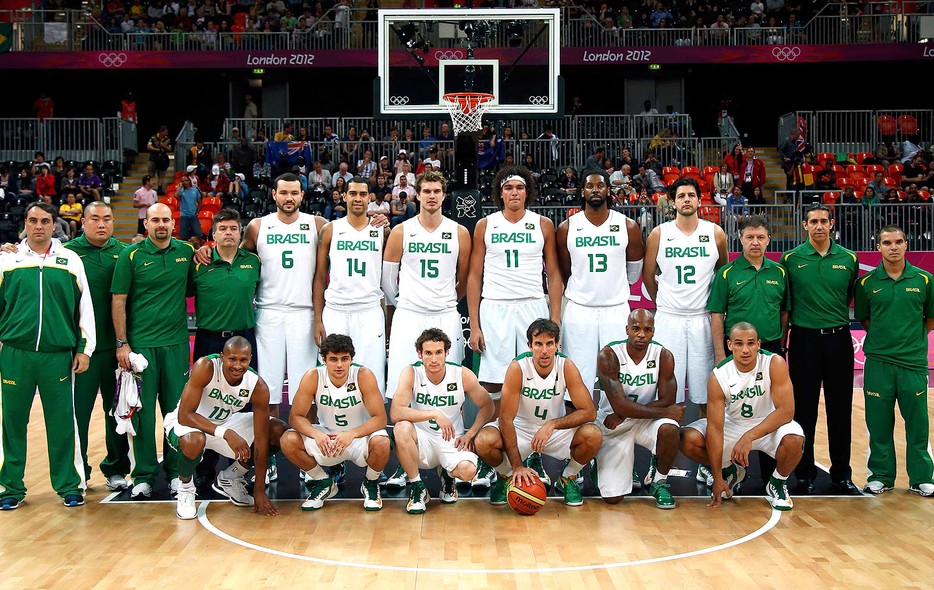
[[340, 408], [446, 397], [512, 267], [598, 261], [639, 380], [288, 253], [356, 258], [686, 264], [220, 399], [748, 395], [541, 398], [428, 273]]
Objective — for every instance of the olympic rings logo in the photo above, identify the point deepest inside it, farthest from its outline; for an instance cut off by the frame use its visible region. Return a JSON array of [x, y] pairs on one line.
[[398, 100], [538, 100], [442, 54], [112, 60], [786, 53]]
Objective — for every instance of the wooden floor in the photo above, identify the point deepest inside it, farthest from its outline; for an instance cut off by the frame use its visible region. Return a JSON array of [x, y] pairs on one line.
[[883, 542]]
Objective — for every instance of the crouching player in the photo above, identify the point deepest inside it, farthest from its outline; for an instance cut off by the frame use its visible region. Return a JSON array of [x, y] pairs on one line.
[[750, 406], [208, 416], [429, 423], [351, 424], [532, 417]]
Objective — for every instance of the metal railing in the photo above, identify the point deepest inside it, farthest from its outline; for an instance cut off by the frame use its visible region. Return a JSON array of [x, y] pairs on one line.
[[860, 131], [72, 139], [835, 23]]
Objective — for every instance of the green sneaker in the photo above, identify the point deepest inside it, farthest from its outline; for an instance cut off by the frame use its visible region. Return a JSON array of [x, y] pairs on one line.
[[534, 461], [734, 475], [571, 489], [777, 491], [418, 498], [448, 493], [636, 480], [650, 476], [594, 476], [485, 476], [321, 490], [372, 500], [498, 491], [663, 497], [397, 480]]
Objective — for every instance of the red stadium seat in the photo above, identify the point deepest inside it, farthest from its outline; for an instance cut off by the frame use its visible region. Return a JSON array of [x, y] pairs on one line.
[[823, 157], [887, 127], [205, 225], [838, 169], [925, 195], [830, 199], [691, 172], [211, 204], [889, 182], [856, 173], [202, 214], [843, 182], [709, 212], [709, 172], [861, 183], [170, 202], [872, 169], [671, 170], [907, 124], [862, 156], [895, 171]]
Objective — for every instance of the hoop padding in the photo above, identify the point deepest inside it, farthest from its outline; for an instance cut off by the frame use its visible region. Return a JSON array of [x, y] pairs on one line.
[[467, 109]]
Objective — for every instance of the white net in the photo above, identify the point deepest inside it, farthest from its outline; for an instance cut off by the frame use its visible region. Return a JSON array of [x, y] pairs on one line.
[[467, 110]]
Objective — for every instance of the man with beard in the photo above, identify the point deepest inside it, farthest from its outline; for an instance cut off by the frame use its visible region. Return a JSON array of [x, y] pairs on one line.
[[600, 253]]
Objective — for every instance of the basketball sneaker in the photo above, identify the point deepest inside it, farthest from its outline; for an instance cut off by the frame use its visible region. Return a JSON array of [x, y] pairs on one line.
[[234, 489], [734, 475], [498, 491], [485, 476], [73, 500], [778, 494], [396, 480], [663, 497], [704, 475], [116, 483], [877, 487], [185, 507], [372, 501], [272, 470], [650, 475], [141, 490], [173, 486], [448, 493], [321, 490], [571, 490], [338, 473], [534, 461], [636, 481], [418, 498], [922, 489]]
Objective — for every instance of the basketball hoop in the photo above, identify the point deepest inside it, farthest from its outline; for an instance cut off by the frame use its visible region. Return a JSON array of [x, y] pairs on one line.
[[467, 110]]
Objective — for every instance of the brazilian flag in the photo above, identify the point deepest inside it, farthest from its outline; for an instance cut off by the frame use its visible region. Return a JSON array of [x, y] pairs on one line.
[[6, 37]]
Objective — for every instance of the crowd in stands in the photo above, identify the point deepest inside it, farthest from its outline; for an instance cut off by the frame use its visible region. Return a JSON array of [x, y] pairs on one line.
[[66, 185], [209, 19]]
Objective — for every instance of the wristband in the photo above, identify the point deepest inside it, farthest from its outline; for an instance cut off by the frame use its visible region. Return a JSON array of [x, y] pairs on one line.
[[220, 431]]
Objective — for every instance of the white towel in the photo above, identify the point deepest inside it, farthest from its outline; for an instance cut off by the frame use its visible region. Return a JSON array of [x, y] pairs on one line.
[[127, 402]]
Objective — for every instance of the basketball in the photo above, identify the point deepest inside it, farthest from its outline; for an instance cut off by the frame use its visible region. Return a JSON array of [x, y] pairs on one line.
[[526, 499]]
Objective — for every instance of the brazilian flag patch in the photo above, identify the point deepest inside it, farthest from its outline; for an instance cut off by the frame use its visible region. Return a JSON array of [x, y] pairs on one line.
[[62, 261], [529, 226], [650, 365], [614, 228], [374, 233], [446, 235], [759, 376], [303, 227], [351, 387], [452, 386], [704, 239]]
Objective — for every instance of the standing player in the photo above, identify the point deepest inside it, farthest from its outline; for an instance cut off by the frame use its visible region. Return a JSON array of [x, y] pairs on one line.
[[347, 292], [208, 416], [600, 252], [821, 276], [637, 376], [427, 410], [895, 303], [150, 318], [751, 409], [509, 249], [351, 424], [680, 259], [47, 331], [99, 251], [532, 417], [425, 265]]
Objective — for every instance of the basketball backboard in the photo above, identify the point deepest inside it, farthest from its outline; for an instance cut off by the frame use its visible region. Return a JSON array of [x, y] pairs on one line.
[[513, 54]]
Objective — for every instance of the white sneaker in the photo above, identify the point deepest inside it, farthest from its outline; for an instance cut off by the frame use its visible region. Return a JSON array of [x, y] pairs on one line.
[[174, 485], [371, 496], [923, 489], [735, 478], [185, 507], [877, 487], [303, 476], [418, 498], [141, 490], [115, 483], [779, 497], [485, 476], [321, 490], [235, 489], [448, 493], [704, 475], [396, 480]]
